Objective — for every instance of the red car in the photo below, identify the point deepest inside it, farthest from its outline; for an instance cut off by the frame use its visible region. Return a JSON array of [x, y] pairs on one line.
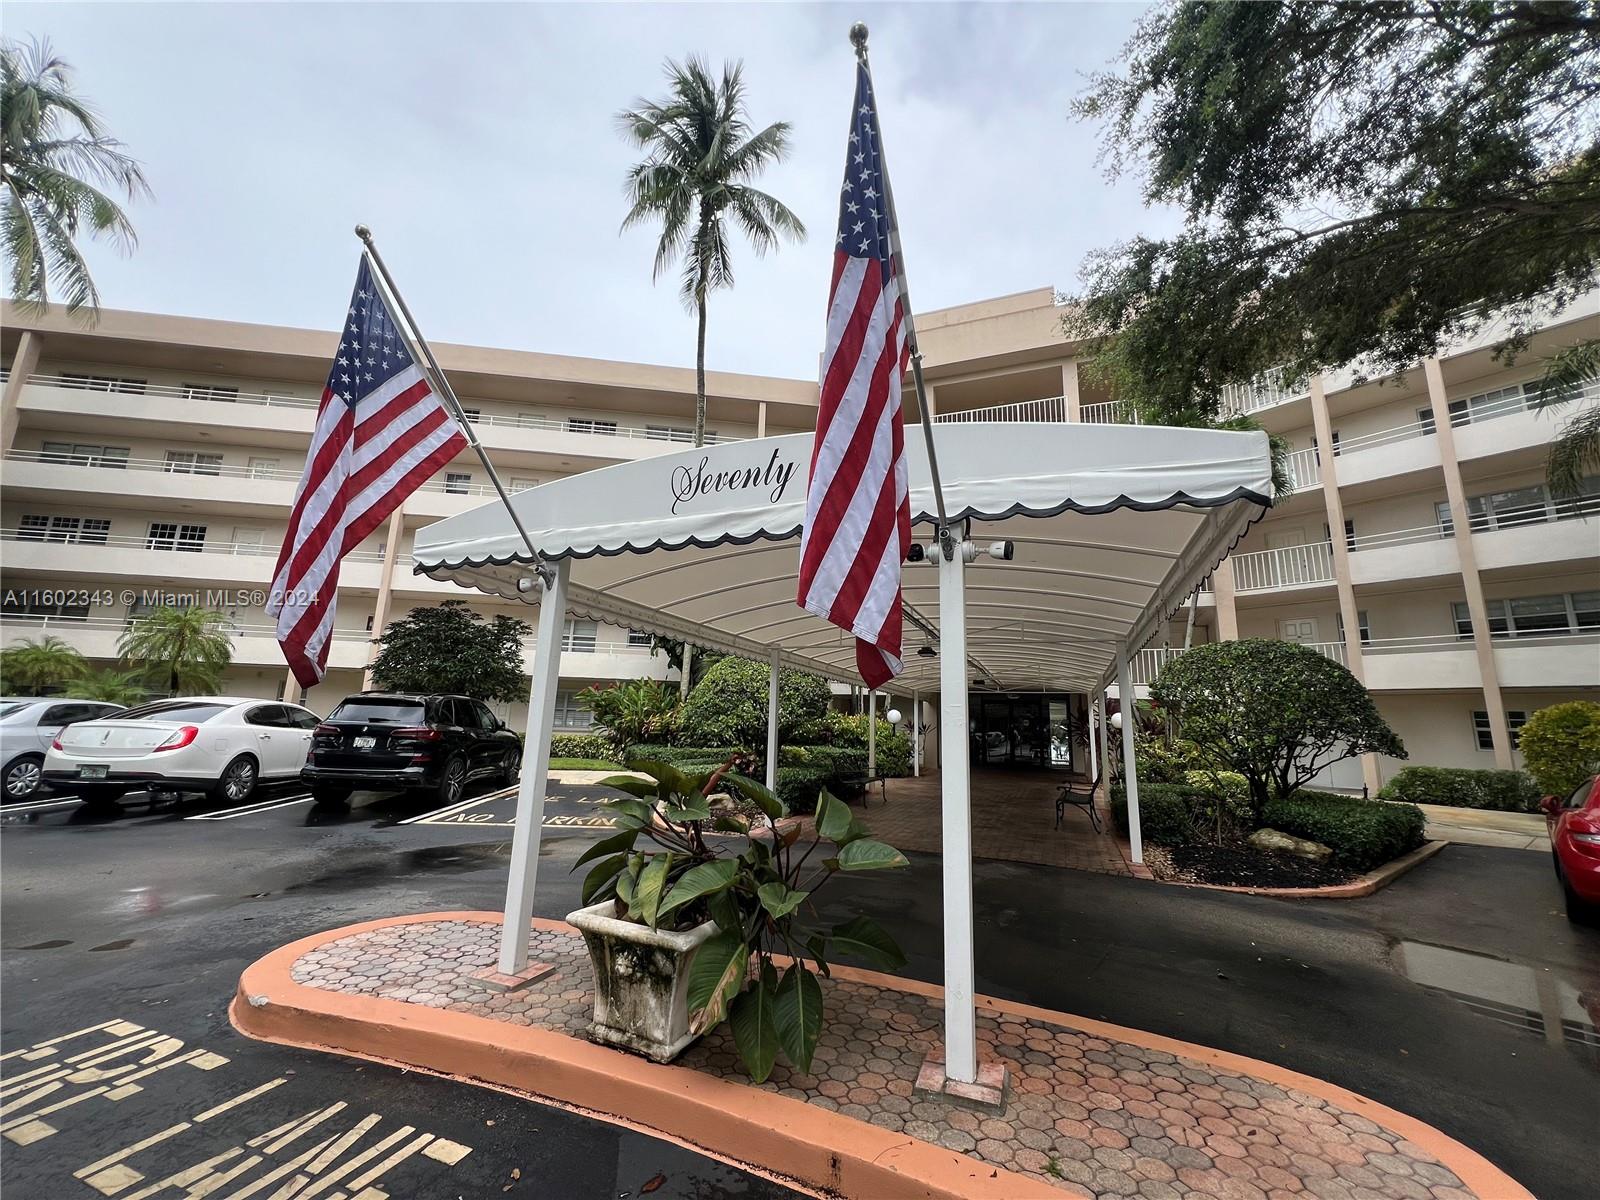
[[1574, 823]]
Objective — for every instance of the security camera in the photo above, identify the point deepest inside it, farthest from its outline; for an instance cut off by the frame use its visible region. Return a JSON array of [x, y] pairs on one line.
[[1004, 551], [916, 553], [527, 583]]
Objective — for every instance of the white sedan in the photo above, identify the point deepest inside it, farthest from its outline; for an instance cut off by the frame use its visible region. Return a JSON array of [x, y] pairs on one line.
[[221, 745]]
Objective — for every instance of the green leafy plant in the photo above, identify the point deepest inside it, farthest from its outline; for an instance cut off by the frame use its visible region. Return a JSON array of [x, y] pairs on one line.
[[1464, 787], [580, 745], [40, 666], [110, 686], [179, 648], [1561, 745], [1275, 712], [1362, 833], [728, 707], [631, 712], [760, 970], [451, 648]]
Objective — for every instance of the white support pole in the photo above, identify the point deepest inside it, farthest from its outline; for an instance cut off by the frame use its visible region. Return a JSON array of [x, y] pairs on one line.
[[916, 734], [772, 725], [1128, 704], [872, 731], [1095, 717], [955, 784], [535, 771], [1105, 742]]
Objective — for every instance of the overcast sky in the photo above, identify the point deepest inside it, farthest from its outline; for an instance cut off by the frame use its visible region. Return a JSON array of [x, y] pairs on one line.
[[478, 141]]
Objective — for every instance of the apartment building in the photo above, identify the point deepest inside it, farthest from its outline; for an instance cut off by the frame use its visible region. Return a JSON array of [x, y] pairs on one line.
[[153, 453]]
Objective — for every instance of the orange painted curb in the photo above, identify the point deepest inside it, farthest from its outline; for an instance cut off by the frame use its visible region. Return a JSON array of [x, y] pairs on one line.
[[1365, 885], [789, 1137], [777, 1134]]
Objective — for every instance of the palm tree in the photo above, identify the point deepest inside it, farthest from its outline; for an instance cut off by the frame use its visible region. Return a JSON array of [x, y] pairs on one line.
[[1570, 378], [110, 686], [186, 648], [699, 159], [39, 667], [55, 157]]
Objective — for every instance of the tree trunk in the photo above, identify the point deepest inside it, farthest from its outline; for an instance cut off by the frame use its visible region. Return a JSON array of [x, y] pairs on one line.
[[700, 372], [1188, 628]]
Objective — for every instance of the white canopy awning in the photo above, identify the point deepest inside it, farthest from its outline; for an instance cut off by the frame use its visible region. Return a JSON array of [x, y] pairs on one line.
[[1113, 526]]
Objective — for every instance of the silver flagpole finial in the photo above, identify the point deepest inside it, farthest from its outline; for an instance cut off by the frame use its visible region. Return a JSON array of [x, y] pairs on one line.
[[858, 35], [364, 234]]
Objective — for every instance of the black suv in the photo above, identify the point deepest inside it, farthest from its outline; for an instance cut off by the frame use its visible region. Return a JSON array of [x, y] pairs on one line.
[[387, 741]]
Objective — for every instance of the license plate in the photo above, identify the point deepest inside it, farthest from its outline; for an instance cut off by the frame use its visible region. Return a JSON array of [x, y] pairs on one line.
[[364, 743], [87, 771]]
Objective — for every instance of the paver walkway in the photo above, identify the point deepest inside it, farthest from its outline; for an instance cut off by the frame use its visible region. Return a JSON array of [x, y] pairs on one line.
[[1485, 827], [1013, 818], [1117, 1118]]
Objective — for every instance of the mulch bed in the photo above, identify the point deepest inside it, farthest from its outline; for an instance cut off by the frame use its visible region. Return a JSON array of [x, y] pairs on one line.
[[1239, 865]]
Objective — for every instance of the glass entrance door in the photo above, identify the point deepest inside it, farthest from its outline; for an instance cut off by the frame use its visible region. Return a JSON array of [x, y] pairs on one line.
[[1010, 730]]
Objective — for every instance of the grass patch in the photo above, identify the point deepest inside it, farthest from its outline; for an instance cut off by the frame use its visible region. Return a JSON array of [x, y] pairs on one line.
[[583, 764]]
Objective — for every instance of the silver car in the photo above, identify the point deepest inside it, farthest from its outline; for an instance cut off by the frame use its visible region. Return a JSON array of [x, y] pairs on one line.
[[27, 726]]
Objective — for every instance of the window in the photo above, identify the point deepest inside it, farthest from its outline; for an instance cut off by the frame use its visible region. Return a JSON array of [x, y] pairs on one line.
[[193, 462], [1494, 403], [638, 637], [262, 468], [1458, 416], [1516, 718], [531, 420], [1441, 514], [246, 535], [58, 715], [270, 715], [79, 454], [1317, 450], [521, 483], [210, 391], [1534, 616], [472, 414], [379, 710], [15, 606], [1349, 533], [102, 383], [168, 535], [487, 721], [590, 425], [1363, 627], [300, 718], [581, 636], [570, 714], [34, 527], [669, 433], [193, 712], [457, 483]]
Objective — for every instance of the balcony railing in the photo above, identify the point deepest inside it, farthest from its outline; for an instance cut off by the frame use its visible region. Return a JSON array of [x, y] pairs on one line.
[[1509, 518], [1490, 410], [578, 644], [1305, 469], [1265, 391], [162, 542], [223, 395], [1110, 412], [65, 624], [1051, 408], [1463, 641], [1286, 566], [1148, 663]]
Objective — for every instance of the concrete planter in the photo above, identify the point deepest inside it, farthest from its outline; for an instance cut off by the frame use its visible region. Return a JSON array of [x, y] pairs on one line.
[[641, 981]]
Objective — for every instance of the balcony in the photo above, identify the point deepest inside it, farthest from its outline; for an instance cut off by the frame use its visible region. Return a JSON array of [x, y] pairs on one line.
[[1305, 469], [1051, 408], [254, 645], [1111, 412], [1267, 390], [1148, 663], [1444, 661], [591, 658], [1528, 535], [1284, 567]]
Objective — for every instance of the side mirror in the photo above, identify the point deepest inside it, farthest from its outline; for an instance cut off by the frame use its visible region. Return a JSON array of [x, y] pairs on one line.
[[1549, 805]]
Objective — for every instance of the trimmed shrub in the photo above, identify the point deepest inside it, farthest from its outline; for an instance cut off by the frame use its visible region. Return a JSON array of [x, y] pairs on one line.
[[1198, 809], [1464, 787], [581, 745], [1561, 745], [845, 730], [728, 707], [1362, 834], [704, 757], [1164, 812]]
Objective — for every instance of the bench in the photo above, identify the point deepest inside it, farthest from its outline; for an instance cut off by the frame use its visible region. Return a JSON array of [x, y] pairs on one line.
[[1080, 795], [863, 785]]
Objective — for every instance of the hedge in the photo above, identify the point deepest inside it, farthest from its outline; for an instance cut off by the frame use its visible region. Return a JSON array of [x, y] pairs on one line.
[[581, 745], [1164, 812], [1362, 834], [803, 771], [1464, 787]]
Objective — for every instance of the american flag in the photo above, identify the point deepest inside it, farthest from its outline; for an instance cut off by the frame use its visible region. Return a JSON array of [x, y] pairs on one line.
[[858, 515], [380, 432]]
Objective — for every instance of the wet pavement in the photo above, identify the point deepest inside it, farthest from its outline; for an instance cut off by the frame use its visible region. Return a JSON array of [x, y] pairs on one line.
[[1459, 995]]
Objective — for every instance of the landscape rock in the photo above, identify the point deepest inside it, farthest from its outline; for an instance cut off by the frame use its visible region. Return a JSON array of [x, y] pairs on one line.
[[1283, 843]]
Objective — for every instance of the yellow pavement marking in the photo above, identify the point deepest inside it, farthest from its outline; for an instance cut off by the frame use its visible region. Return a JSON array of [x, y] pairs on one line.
[[112, 1049], [25, 1101], [370, 1193], [186, 1178], [192, 1058], [56, 1107], [154, 1052], [16, 1083], [243, 1098], [324, 1160], [399, 1156], [448, 1152], [33, 1054], [209, 1061], [113, 1179], [130, 1151], [365, 1156], [26, 1135], [294, 1164], [290, 1130], [123, 1092], [67, 1037]]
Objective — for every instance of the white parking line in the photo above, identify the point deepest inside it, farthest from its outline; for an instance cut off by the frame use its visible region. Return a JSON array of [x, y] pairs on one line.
[[459, 806], [35, 805], [260, 806]]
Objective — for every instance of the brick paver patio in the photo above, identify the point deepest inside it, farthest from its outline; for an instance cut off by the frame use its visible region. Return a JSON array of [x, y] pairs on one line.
[[1013, 818], [1119, 1119]]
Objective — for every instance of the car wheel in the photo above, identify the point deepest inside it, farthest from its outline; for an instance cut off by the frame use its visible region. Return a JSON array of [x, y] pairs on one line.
[[513, 769], [237, 783], [23, 775], [330, 797], [452, 781]]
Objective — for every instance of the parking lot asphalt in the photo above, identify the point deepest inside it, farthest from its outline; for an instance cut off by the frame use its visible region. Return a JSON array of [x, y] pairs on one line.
[[1460, 994]]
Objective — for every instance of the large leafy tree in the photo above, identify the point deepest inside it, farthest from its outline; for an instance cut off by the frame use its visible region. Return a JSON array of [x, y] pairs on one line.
[[1359, 181], [183, 648], [58, 171], [695, 177], [40, 666], [450, 648], [729, 706], [1276, 712]]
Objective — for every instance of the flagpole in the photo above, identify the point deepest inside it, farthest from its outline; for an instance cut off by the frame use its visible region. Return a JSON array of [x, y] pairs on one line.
[[447, 393], [858, 39]]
